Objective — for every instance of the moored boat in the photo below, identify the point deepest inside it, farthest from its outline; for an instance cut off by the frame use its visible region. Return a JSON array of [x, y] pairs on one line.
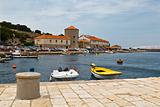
[[109, 52], [2, 60], [16, 53], [100, 72], [64, 74], [25, 56], [119, 61], [19, 54]]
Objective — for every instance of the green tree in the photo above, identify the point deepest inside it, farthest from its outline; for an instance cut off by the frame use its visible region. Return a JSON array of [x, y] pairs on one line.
[[37, 31], [47, 33], [17, 27], [60, 35]]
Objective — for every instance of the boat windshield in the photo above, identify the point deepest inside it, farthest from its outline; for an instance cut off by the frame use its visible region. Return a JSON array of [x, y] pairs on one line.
[[60, 69], [66, 69]]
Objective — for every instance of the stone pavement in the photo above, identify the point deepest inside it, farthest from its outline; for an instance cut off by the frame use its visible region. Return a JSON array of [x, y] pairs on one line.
[[96, 93]]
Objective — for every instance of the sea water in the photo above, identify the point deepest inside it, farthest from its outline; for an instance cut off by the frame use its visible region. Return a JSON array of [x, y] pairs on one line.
[[136, 65]]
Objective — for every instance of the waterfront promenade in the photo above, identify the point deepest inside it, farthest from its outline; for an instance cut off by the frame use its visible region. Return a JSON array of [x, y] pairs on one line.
[[143, 92]]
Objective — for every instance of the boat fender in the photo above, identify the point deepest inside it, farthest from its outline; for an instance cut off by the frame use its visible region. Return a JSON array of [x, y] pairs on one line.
[[14, 66]]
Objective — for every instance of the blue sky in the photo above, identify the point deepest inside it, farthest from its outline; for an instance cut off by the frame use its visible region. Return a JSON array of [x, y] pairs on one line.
[[129, 23]]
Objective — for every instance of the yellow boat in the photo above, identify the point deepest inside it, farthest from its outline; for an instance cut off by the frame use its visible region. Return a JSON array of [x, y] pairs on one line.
[[100, 72]]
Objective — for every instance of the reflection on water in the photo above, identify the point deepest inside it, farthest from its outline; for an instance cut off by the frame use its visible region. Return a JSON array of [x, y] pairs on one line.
[[136, 65], [70, 59]]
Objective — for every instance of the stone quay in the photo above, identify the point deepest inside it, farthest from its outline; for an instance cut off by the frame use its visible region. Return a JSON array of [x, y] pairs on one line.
[[142, 92]]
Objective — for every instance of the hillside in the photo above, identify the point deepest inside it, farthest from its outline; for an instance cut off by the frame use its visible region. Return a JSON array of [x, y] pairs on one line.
[[12, 34]]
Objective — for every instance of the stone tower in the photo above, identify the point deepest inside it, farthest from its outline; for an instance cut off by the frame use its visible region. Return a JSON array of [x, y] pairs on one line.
[[73, 33]]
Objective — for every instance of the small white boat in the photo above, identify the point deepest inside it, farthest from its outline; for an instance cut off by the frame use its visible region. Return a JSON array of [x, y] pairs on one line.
[[109, 52], [86, 51], [16, 53], [70, 74]]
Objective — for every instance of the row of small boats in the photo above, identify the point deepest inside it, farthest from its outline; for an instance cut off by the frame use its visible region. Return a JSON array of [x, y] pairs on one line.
[[98, 72], [18, 54], [15, 54]]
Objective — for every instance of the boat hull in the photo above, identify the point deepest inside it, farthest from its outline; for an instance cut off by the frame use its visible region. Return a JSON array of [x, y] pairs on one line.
[[64, 75], [104, 76], [100, 72], [61, 79], [25, 56]]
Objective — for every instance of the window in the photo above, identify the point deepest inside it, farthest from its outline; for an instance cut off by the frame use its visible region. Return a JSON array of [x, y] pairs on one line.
[[73, 41], [74, 36], [61, 41], [66, 42], [56, 41], [50, 41]]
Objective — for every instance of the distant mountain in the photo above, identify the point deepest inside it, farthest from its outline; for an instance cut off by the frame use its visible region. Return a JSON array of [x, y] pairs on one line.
[[148, 47]]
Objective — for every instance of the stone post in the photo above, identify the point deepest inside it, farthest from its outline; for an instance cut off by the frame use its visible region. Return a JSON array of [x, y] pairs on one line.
[[28, 85]]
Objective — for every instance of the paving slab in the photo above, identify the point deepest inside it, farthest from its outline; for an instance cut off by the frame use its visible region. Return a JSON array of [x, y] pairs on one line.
[[142, 92]]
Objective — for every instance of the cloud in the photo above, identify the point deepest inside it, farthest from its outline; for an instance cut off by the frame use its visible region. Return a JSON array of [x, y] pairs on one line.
[[124, 20], [94, 8], [74, 9]]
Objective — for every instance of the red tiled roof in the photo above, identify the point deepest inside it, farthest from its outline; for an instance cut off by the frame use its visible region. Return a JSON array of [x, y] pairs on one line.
[[52, 37], [96, 39], [71, 28]]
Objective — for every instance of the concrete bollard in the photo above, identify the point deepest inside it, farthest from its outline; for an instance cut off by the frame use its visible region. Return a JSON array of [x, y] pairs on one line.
[[28, 85]]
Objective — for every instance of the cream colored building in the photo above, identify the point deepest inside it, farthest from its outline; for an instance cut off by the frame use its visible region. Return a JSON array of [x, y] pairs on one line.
[[88, 41], [70, 39], [52, 41]]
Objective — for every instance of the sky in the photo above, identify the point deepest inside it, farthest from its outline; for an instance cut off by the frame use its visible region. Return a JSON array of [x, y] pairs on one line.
[[128, 23]]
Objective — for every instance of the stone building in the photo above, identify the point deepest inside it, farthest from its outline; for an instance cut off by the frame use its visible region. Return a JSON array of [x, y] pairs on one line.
[[70, 39], [88, 41], [116, 47], [73, 33], [52, 41]]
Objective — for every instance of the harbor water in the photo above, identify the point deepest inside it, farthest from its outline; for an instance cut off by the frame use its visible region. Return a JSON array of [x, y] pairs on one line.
[[136, 65]]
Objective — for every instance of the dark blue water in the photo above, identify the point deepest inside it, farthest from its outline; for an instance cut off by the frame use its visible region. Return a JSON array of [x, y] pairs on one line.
[[136, 65]]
